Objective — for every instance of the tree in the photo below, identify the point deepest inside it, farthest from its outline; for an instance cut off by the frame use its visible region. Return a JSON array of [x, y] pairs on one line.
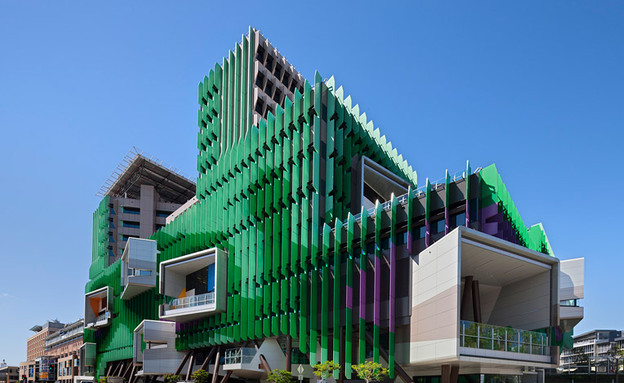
[[326, 369], [280, 376], [370, 371], [200, 376], [170, 378]]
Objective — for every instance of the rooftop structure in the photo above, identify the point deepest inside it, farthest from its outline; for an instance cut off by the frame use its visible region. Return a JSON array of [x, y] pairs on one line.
[[136, 169]]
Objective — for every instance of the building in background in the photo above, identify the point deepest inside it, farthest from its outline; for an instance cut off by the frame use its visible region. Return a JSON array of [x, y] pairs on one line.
[[8, 374], [36, 344], [29, 371], [308, 239], [64, 345], [592, 347], [137, 199]]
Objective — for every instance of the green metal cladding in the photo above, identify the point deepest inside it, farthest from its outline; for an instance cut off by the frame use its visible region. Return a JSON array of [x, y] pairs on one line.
[[277, 197]]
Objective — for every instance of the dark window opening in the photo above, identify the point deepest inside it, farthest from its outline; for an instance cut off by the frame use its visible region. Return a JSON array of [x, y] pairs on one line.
[[385, 243], [269, 63], [130, 224], [260, 80], [131, 210], [162, 213], [278, 96], [259, 106], [269, 89], [260, 54], [278, 71], [286, 79]]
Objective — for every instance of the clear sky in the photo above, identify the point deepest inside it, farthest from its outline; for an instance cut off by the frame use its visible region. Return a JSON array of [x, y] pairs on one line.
[[535, 86]]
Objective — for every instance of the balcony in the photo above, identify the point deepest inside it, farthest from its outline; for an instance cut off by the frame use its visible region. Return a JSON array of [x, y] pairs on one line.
[[479, 339], [246, 362], [239, 358], [194, 285], [97, 308], [138, 267], [154, 348], [474, 299], [179, 305]]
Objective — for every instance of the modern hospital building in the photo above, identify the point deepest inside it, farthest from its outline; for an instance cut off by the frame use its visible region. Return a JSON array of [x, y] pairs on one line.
[[305, 238]]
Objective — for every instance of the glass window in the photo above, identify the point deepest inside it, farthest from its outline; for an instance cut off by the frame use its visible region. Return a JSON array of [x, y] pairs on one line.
[[402, 239], [460, 219], [422, 231], [438, 226], [131, 224], [131, 210]]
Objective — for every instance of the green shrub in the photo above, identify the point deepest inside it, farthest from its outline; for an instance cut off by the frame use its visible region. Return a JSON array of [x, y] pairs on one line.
[[370, 371], [200, 376], [326, 370], [170, 378], [280, 376]]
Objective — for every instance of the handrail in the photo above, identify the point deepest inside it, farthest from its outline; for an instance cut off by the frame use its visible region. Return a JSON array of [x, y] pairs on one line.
[[241, 355], [192, 301], [402, 199], [497, 338]]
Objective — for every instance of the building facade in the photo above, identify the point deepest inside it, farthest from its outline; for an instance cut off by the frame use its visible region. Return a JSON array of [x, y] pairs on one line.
[[64, 346], [309, 239], [36, 344]]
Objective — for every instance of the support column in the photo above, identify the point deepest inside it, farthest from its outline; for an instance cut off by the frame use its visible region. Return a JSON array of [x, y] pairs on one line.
[[208, 357], [288, 353], [445, 373], [476, 301], [215, 372], [454, 374], [189, 370], [465, 297], [179, 369]]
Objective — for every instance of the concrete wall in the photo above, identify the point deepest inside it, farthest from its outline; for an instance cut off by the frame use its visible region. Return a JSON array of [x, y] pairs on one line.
[[572, 279], [524, 304], [435, 302]]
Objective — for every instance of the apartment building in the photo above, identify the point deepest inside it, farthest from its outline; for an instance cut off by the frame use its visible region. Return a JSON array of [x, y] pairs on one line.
[[309, 239]]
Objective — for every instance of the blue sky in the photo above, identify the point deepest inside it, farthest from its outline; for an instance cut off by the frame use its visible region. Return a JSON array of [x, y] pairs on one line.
[[536, 87]]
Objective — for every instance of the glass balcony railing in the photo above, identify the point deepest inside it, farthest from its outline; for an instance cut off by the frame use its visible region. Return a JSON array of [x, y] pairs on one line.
[[192, 301], [496, 338], [242, 355]]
